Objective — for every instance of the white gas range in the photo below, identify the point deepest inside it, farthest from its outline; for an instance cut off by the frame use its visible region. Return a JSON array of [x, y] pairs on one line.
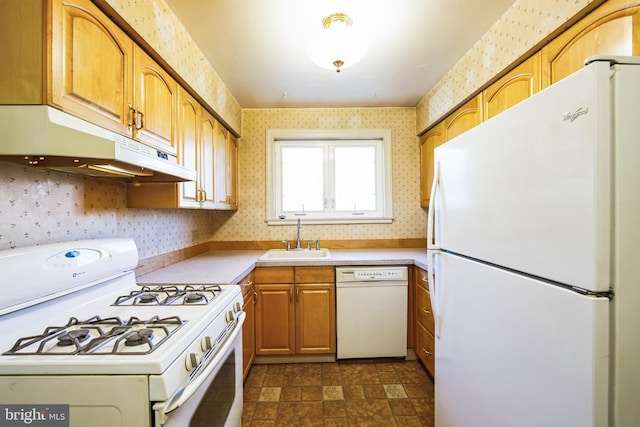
[[78, 330]]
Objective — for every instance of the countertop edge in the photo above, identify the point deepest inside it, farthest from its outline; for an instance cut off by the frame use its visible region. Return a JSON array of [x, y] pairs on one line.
[[231, 266]]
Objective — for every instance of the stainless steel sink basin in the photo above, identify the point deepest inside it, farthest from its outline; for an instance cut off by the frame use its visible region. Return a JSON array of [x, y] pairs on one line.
[[296, 255]]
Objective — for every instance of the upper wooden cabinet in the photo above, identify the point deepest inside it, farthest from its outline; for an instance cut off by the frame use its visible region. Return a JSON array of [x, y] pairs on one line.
[[78, 60], [198, 144], [154, 102], [232, 172], [428, 142], [91, 65], [464, 118], [225, 163], [515, 86], [611, 29]]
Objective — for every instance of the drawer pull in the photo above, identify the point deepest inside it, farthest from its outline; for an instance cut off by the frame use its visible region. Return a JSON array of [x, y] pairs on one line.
[[424, 310], [425, 351]]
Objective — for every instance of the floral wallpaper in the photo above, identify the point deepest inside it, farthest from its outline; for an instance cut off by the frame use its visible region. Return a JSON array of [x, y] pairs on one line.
[[249, 222], [39, 207]]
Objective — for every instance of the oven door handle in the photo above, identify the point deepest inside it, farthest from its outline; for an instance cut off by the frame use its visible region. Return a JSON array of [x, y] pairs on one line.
[[210, 360]]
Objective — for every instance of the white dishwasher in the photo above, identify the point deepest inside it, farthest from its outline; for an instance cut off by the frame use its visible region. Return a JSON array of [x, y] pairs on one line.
[[371, 311]]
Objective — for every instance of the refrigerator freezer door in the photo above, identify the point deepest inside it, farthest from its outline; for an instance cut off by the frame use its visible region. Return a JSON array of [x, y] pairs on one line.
[[530, 188], [514, 351]]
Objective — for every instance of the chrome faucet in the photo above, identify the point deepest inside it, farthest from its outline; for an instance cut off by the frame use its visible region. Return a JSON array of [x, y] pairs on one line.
[[298, 239]]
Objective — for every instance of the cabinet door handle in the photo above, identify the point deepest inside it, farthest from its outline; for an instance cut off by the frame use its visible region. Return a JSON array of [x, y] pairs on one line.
[[290, 295], [424, 310], [132, 114], [297, 294], [139, 119], [255, 297], [425, 351]]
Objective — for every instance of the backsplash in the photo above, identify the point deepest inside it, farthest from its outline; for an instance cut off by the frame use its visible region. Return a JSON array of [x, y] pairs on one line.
[[39, 207]]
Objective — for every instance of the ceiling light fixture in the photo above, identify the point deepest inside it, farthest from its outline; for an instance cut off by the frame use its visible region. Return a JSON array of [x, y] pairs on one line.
[[339, 44]]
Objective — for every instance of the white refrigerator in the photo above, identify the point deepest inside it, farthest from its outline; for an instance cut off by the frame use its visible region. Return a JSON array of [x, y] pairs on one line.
[[534, 259]]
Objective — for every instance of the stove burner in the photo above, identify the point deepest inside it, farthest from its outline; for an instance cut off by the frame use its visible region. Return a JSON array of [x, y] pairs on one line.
[[73, 337], [147, 298], [139, 337], [193, 298]]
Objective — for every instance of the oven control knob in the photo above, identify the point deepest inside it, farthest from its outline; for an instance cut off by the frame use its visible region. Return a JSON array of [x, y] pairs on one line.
[[206, 343], [237, 307], [229, 317], [191, 362]]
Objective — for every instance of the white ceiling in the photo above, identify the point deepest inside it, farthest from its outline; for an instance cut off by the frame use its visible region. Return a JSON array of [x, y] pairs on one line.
[[258, 47]]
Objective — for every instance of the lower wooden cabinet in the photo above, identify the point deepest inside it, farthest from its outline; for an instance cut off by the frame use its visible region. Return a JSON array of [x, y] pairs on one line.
[[424, 324], [297, 317], [425, 348]]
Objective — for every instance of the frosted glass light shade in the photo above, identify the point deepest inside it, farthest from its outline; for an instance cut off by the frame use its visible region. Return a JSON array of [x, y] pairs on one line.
[[338, 44]]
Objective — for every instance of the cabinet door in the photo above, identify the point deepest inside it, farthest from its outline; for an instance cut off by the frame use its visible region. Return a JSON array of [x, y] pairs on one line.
[[611, 29], [315, 318], [274, 319], [220, 166], [232, 172], [464, 118], [206, 166], [248, 333], [155, 103], [516, 86], [428, 142], [188, 148], [91, 65]]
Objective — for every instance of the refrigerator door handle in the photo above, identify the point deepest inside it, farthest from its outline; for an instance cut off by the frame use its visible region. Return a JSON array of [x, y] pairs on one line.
[[431, 244], [433, 289]]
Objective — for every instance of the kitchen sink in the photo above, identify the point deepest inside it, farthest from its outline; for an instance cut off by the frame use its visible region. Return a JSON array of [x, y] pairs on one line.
[[296, 255]]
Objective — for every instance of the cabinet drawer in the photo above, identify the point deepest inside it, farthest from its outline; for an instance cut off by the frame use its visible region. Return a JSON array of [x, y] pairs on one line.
[[423, 308], [246, 284], [273, 275], [425, 348], [422, 278], [315, 274]]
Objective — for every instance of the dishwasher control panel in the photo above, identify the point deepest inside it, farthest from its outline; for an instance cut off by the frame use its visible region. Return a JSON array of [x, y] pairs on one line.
[[360, 274]]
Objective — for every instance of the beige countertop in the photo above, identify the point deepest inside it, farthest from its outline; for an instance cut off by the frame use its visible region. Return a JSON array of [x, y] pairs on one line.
[[231, 266]]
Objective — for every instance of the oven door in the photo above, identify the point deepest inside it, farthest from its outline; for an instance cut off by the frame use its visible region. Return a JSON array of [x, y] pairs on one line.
[[214, 396]]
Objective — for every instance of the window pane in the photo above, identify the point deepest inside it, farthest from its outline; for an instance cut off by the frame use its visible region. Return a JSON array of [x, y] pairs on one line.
[[302, 179], [355, 173]]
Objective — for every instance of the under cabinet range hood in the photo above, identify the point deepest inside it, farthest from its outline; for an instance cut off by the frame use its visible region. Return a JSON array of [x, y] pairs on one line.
[[44, 137]]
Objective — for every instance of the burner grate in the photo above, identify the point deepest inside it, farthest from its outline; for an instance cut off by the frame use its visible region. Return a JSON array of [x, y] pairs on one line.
[[190, 294], [99, 336]]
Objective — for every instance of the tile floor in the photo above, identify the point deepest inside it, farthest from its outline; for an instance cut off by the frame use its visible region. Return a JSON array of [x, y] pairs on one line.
[[372, 393]]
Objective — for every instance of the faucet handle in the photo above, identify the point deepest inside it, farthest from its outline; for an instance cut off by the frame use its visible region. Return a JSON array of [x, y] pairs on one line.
[[317, 244], [288, 244], [309, 245]]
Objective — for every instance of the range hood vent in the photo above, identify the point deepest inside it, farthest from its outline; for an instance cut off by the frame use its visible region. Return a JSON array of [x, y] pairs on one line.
[[44, 137]]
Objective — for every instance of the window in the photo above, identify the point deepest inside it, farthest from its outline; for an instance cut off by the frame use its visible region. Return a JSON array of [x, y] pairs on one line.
[[329, 176]]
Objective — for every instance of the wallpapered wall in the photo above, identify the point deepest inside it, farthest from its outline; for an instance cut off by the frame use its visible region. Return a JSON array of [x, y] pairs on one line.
[[249, 222], [42, 207], [39, 207]]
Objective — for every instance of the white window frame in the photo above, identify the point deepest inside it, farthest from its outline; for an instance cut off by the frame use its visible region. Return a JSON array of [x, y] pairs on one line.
[[279, 137]]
